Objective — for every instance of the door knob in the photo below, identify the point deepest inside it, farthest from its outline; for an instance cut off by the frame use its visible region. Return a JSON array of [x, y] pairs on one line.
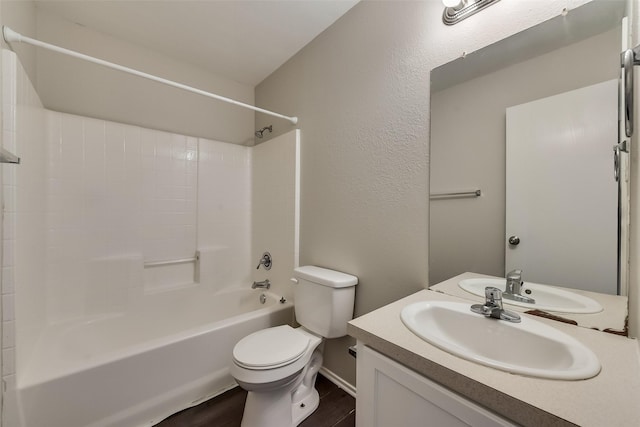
[[514, 240]]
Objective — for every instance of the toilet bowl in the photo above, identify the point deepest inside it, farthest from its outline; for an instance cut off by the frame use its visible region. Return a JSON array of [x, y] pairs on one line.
[[278, 366]]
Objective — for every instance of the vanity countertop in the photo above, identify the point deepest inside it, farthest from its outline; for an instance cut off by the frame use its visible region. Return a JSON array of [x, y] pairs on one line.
[[609, 399], [613, 317]]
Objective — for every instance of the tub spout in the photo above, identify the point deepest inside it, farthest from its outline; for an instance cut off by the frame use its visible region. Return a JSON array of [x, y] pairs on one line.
[[265, 284]]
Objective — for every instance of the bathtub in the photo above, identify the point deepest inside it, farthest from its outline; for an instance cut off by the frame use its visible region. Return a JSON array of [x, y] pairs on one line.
[[136, 368]]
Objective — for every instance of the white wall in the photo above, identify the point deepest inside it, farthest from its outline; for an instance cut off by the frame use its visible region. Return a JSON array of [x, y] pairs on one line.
[[23, 230], [73, 86], [120, 195], [468, 149], [21, 16], [276, 210], [224, 213], [361, 90]]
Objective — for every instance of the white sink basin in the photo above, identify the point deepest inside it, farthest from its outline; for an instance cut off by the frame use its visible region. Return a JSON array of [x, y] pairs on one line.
[[547, 298], [528, 348]]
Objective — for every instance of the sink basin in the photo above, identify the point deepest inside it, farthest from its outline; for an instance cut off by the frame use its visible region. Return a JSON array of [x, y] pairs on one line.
[[529, 348], [547, 298]]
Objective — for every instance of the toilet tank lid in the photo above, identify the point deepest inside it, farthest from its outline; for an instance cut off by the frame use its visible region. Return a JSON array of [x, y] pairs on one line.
[[324, 276]]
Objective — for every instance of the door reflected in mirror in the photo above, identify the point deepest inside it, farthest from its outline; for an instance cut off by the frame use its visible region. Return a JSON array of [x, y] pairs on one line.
[[561, 188]]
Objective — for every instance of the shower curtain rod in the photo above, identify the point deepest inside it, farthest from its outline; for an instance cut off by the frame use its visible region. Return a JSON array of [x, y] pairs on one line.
[[12, 36]]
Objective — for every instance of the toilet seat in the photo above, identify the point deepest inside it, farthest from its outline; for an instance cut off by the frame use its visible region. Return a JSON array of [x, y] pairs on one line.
[[266, 375], [270, 348]]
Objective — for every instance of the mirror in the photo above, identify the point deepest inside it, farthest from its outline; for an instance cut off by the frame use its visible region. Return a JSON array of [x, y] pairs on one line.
[[475, 101]]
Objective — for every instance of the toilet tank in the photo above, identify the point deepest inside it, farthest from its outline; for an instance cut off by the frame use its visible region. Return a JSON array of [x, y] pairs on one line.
[[323, 300]]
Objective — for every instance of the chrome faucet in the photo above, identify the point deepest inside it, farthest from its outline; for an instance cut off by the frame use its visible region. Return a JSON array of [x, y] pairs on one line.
[[265, 284], [493, 306], [513, 288], [514, 281]]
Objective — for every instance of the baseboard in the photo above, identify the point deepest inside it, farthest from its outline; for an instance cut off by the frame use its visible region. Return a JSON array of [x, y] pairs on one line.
[[339, 381]]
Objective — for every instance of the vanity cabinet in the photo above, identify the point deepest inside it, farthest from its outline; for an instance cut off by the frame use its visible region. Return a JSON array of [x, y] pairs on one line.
[[389, 394]]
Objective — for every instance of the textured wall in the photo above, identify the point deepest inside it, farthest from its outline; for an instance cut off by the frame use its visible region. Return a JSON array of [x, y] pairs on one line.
[[361, 90]]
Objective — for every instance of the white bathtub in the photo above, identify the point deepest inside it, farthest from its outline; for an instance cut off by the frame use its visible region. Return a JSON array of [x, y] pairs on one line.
[[134, 369]]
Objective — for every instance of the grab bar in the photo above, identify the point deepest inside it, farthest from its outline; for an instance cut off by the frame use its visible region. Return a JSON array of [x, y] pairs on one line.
[[455, 195], [172, 261]]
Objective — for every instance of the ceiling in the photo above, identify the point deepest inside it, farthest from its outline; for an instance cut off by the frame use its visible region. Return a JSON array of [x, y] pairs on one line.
[[242, 40]]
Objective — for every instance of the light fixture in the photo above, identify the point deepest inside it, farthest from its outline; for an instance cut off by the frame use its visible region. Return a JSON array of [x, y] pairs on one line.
[[457, 10], [456, 4]]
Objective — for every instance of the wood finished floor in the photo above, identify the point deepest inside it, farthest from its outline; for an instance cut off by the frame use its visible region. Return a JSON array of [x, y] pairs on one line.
[[337, 409]]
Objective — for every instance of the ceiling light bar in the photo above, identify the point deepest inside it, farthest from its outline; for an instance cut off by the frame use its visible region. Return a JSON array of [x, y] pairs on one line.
[[463, 9]]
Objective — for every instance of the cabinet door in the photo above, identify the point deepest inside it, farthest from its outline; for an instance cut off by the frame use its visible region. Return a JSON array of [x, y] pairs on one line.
[[390, 395]]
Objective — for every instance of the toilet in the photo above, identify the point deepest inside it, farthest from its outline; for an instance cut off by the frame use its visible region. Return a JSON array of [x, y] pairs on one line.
[[278, 366]]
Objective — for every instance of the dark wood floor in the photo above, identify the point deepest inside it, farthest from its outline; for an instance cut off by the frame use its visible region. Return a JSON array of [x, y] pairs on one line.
[[337, 409]]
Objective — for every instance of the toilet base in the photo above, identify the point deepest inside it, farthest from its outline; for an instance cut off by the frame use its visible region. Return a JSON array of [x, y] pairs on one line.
[[285, 406], [267, 410], [306, 399], [301, 410]]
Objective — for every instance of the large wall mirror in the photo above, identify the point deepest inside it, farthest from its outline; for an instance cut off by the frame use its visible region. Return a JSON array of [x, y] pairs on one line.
[[514, 182]]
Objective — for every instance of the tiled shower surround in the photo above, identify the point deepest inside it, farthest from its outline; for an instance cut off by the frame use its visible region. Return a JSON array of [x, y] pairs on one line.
[[23, 133], [119, 196], [93, 201]]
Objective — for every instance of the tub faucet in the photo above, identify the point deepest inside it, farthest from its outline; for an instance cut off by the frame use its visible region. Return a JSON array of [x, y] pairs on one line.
[[492, 306], [265, 284], [513, 288]]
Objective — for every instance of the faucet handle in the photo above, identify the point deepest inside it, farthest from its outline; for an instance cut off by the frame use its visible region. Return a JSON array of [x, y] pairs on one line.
[[266, 261], [493, 306], [514, 274], [492, 295]]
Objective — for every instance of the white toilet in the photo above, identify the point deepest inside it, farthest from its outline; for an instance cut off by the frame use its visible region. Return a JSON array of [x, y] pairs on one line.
[[278, 366]]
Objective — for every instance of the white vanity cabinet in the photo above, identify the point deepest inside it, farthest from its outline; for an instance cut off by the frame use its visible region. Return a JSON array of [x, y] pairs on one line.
[[391, 395]]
